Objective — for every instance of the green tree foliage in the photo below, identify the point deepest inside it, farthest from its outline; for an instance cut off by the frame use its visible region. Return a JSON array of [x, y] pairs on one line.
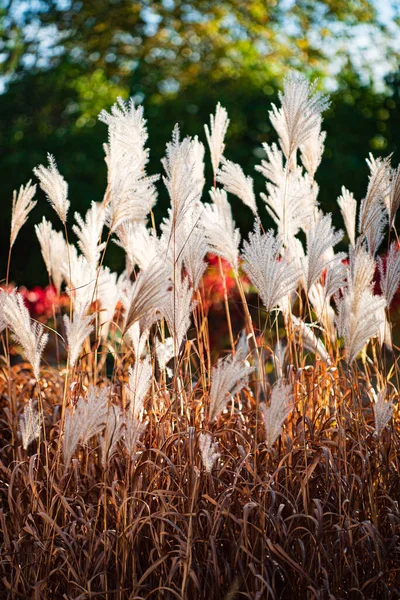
[[160, 46], [178, 58]]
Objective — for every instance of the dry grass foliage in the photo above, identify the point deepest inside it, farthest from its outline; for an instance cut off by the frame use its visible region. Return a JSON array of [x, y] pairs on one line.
[[147, 466]]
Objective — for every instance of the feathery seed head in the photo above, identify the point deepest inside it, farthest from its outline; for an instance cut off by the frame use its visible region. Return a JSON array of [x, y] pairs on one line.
[[348, 207], [209, 451], [228, 377], [54, 186], [29, 425], [29, 334], [269, 271], [218, 126], [275, 414], [383, 410], [299, 115], [21, 207], [231, 176]]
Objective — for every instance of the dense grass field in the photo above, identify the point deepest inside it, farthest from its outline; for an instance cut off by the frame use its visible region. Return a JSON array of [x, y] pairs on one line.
[[221, 420]]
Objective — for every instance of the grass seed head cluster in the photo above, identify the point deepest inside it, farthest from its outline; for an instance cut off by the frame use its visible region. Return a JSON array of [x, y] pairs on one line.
[[144, 465]]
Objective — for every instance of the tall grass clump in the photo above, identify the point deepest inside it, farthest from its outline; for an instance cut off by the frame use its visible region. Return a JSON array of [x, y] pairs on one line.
[[138, 460]]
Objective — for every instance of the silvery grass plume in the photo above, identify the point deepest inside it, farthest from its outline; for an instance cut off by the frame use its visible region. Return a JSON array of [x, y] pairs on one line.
[[312, 149], [209, 451], [309, 339], [131, 193], [393, 199], [348, 207], [360, 312], [138, 385], [29, 425], [222, 237], [194, 251], [77, 331], [108, 295], [390, 274], [89, 231], [137, 338], [148, 295], [85, 421], [141, 245], [198, 166], [54, 251], [54, 186], [184, 244], [113, 433], [80, 277], [279, 357], [359, 319], [320, 239], [273, 168], [292, 202], [299, 115], [231, 176], [361, 268], [335, 277], [134, 429], [164, 353], [272, 275], [3, 323], [385, 331], [383, 410], [177, 310], [218, 126], [228, 377], [373, 216], [26, 333], [276, 413], [86, 284], [372, 207], [21, 207], [321, 304], [181, 175], [374, 236]]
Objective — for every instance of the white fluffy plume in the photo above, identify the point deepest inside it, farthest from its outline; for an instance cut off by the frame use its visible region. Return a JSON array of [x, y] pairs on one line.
[[21, 207], [88, 232], [139, 382], [220, 232], [276, 413], [54, 251], [149, 293], [131, 193], [390, 274], [209, 451], [183, 175], [85, 421], [348, 207], [177, 310], [320, 240], [228, 377], [359, 319], [300, 112], [29, 334], [218, 126], [383, 410], [54, 186], [29, 425], [273, 276], [77, 331], [231, 176]]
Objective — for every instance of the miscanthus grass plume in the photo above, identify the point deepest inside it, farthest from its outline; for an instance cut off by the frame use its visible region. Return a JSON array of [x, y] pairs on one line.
[[185, 431]]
